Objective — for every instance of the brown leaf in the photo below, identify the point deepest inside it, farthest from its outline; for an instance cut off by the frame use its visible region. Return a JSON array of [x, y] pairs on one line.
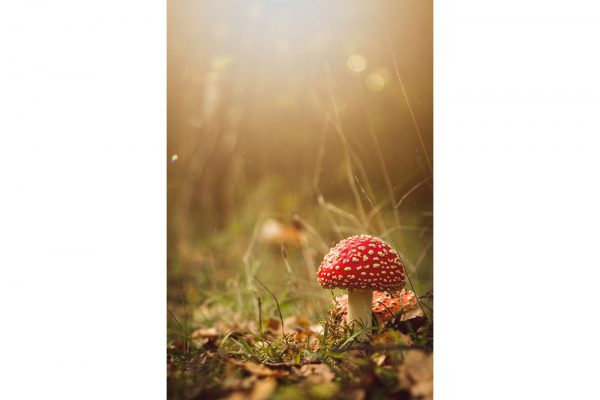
[[263, 389], [354, 394], [420, 365], [303, 321], [236, 396], [316, 373], [273, 324], [205, 333], [379, 359], [416, 374], [299, 337], [316, 329], [258, 369], [295, 323], [423, 390], [391, 337], [412, 313]]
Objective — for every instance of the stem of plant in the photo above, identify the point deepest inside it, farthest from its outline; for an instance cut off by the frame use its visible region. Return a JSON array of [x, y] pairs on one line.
[[259, 316]]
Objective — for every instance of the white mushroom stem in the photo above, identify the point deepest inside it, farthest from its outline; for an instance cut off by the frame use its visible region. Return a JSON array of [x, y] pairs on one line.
[[359, 307]]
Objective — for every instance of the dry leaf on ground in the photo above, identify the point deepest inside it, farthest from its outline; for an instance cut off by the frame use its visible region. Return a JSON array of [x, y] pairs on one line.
[[263, 389], [258, 369], [316, 373], [416, 374]]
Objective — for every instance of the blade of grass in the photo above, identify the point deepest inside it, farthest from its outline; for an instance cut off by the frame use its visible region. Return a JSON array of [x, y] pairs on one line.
[[276, 302], [356, 334], [380, 159], [415, 187], [412, 114], [345, 147]]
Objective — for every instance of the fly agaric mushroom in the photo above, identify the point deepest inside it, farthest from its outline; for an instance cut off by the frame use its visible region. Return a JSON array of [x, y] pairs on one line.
[[386, 306], [361, 264]]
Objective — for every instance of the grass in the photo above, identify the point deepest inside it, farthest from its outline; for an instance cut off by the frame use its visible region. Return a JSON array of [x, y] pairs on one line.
[[211, 362], [234, 298]]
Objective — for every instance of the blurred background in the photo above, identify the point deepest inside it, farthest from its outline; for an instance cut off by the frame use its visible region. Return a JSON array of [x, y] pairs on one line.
[[293, 124]]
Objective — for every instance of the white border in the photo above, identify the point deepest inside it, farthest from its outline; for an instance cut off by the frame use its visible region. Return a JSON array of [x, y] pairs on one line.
[[82, 209], [517, 93]]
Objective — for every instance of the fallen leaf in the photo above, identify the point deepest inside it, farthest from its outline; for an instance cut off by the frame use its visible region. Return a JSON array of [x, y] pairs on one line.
[[258, 369], [316, 329], [354, 394], [316, 373], [303, 321], [236, 396], [273, 324], [391, 337], [263, 389], [295, 323], [379, 359], [416, 374], [299, 337], [205, 333], [420, 365], [423, 390]]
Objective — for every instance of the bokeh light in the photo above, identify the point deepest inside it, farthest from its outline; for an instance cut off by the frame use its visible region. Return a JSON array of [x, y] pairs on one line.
[[375, 81], [357, 63]]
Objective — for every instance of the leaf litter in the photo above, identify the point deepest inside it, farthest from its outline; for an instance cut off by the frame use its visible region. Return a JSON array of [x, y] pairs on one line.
[[232, 360]]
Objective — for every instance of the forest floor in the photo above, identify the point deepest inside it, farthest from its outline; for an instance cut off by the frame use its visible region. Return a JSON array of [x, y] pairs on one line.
[[299, 358]]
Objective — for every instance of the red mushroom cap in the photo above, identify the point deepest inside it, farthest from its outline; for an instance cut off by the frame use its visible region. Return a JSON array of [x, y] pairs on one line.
[[387, 306], [361, 262]]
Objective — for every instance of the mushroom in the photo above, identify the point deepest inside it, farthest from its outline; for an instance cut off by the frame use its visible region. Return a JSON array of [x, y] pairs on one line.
[[361, 264], [386, 306]]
